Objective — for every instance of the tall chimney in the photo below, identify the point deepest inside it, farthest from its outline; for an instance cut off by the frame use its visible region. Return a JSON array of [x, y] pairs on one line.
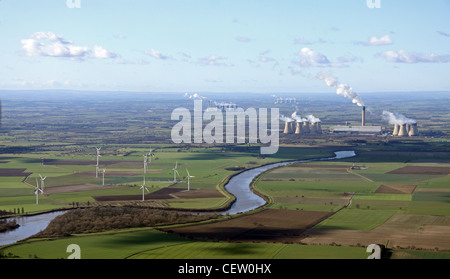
[[363, 122]]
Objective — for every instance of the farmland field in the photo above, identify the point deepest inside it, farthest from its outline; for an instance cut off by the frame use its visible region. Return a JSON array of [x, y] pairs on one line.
[[395, 192]]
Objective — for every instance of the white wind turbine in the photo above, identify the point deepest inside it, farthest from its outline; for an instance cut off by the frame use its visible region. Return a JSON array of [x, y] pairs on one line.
[[37, 190], [103, 181], [145, 163], [175, 172], [189, 179], [150, 155], [98, 156], [42, 182], [144, 188]]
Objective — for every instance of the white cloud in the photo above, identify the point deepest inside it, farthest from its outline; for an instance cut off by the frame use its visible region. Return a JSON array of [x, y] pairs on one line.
[[311, 58], [101, 52], [374, 41], [214, 60], [157, 54], [52, 45], [402, 56]]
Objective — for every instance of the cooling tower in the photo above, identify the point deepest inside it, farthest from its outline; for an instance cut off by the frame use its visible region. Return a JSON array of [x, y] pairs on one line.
[[306, 129], [396, 130], [402, 132], [408, 128], [319, 128], [413, 131], [286, 128], [299, 129], [291, 127], [313, 128], [363, 121]]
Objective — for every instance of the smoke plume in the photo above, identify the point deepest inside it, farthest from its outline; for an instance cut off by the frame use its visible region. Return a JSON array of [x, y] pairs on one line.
[[341, 89]]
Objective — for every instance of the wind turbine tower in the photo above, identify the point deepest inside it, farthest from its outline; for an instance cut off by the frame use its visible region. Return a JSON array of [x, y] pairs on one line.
[[150, 155], [144, 188], [103, 182], [189, 179], [42, 182], [175, 172], [98, 156], [145, 163], [37, 190]]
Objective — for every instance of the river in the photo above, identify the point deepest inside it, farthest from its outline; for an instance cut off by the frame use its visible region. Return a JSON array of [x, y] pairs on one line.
[[238, 185]]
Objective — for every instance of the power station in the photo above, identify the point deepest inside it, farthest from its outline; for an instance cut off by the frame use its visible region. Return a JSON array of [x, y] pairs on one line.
[[358, 130]]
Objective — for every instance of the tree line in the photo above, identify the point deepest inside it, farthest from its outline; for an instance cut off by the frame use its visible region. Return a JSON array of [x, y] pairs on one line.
[[99, 219]]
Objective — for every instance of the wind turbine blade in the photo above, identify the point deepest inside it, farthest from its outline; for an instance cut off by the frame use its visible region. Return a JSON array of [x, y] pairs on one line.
[[188, 172]]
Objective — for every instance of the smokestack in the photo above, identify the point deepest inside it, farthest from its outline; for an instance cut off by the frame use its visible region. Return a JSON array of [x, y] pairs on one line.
[[306, 127], [363, 116], [413, 131], [402, 132], [396, 129]]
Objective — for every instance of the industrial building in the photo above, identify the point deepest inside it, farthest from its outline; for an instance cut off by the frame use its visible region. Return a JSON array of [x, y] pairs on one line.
[[358, 130]]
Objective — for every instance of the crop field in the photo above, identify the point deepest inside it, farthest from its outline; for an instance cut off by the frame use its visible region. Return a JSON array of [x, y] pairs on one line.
[[395, 192], [371, 209]]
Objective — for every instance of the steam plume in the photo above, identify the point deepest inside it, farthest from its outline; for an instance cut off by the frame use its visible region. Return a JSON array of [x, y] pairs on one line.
[[341, 89], [313, 119], [297, 117], [286, 119], [397, 118]]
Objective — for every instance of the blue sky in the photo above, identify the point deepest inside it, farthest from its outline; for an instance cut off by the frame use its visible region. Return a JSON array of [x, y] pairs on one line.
[[224, 45]]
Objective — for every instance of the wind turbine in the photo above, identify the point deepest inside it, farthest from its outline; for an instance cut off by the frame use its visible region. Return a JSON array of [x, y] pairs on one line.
[[42, 182], [37, 190], [98, 156], [150, 155], [189, 179], [175, 172], [145, 163], [104, 170], [144, 188]]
